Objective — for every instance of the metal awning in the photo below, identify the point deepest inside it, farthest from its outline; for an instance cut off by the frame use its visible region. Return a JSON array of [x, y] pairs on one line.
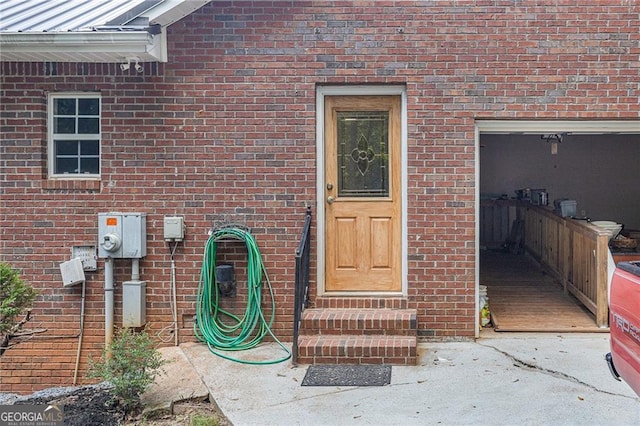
[[88, 30]]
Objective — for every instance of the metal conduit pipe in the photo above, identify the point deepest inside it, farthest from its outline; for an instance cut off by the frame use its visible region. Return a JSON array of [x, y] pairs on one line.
[[135, 269], [108, 301], [175, 302]]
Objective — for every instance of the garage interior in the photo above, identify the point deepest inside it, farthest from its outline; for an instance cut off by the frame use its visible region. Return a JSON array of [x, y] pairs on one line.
[[592, 164]]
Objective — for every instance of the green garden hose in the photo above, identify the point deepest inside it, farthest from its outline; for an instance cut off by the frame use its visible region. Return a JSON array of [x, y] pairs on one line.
[[239, 332]]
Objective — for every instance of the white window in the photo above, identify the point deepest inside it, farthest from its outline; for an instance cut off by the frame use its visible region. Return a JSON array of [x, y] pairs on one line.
[[74, 135]]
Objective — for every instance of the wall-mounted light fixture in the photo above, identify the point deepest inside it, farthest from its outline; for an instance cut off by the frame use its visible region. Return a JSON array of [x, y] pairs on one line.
[[133, 59], [554, 139]]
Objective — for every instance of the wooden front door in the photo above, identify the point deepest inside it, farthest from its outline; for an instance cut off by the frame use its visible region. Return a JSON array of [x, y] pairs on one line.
[[363, 194]]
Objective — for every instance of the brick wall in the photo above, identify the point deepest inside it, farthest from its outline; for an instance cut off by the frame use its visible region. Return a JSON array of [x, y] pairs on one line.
[[227, 127]]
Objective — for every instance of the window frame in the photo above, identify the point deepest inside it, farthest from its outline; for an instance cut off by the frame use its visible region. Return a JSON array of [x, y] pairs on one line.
[[52, 137]]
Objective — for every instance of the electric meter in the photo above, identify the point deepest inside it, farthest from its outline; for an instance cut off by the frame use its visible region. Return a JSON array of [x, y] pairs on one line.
[[111, 242], [122, 235]]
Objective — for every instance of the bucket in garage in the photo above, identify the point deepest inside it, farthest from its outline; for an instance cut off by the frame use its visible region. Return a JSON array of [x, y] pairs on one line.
[[485, 313]]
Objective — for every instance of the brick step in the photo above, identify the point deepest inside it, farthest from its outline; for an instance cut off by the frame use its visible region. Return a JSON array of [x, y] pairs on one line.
[[359, 321], [370, 349], [361, 302]]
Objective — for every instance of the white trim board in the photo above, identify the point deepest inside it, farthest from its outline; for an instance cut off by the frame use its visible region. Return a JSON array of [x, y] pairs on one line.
[[556, 126]]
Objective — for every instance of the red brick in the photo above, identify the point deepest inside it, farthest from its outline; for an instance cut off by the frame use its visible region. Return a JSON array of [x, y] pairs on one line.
[[241, 137]]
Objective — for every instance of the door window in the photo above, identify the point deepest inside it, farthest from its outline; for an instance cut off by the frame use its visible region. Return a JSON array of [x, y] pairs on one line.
[[363, 153]]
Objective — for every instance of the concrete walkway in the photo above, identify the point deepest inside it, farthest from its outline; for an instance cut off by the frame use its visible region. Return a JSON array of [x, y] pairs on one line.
[[501, 379]]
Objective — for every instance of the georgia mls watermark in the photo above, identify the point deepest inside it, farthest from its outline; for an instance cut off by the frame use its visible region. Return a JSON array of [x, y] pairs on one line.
[[31, 415]]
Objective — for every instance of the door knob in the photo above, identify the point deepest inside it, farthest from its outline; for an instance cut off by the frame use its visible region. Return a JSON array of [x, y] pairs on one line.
[[330, 200]]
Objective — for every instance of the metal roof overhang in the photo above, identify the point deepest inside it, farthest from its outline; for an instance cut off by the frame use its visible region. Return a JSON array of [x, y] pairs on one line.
[[95, 46], [103, 44]]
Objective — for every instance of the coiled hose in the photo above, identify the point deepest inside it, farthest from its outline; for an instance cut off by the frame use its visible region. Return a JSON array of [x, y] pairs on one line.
[[238, 333]]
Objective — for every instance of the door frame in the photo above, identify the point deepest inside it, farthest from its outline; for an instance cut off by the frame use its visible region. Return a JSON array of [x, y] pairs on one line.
[[367, 90]]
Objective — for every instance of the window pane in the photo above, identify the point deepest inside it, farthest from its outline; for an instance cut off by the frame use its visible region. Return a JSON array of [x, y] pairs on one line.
[[89, 165], [66, 148], [64, 125], [66, 165], [88, 106], [363, 159], [64, 106], [89, 148], [88, 126]]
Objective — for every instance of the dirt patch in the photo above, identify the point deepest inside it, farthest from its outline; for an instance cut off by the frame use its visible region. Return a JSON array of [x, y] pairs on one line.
[[184, 413], [88, 406]]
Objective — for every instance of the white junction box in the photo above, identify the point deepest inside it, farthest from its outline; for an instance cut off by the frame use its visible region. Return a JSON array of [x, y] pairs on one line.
[[173, 228], [72, 272], [134, 303], [122, 235]]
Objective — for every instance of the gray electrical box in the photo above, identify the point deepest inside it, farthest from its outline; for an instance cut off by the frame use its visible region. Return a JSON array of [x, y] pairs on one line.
[[134, 309], [173, 228], [122, 235]]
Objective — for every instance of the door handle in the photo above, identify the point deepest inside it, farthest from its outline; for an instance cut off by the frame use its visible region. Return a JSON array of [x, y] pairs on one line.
[[330, 199]]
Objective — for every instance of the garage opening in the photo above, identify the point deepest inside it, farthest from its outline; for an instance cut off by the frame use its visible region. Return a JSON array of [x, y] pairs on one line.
[[551, 194]]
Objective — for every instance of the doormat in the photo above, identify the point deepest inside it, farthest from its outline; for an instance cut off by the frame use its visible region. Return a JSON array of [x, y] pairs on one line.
[[347, 375]]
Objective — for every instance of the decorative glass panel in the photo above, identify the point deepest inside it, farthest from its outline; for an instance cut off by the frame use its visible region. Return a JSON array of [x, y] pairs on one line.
[[363, 154]]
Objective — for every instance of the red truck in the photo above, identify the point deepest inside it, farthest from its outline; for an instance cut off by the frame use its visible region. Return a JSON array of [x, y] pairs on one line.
[[624, 323]]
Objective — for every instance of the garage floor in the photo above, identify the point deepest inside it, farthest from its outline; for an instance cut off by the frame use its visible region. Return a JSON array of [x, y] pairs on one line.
[[522, 297]]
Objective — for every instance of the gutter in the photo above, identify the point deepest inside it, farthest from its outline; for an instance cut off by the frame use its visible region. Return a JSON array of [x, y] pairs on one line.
[[90, 46]]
